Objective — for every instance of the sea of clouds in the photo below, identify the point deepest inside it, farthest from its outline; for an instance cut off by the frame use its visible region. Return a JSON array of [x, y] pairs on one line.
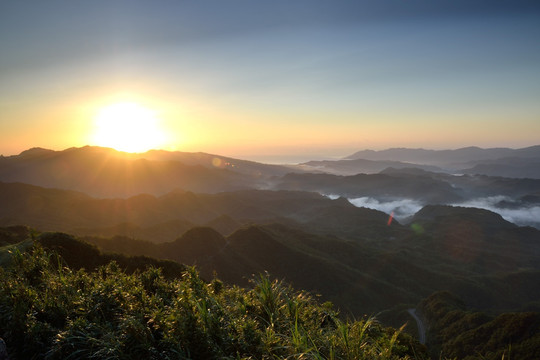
[[523, 215], [404, 208]]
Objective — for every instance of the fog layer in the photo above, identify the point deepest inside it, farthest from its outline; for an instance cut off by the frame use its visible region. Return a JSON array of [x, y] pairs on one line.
[[404, 208], [518, 213]]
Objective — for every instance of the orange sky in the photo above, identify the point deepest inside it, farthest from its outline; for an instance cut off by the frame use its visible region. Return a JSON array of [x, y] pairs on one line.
[[272, 79]]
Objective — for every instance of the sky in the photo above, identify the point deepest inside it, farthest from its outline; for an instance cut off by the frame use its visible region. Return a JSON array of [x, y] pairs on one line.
[[270, 80]]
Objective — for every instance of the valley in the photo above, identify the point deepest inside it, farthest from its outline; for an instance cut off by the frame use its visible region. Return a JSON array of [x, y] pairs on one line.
[[235, 219]]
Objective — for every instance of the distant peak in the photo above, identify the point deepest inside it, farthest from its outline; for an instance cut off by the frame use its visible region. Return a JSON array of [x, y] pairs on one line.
[[35, 151], [480, 216], [200, 239]]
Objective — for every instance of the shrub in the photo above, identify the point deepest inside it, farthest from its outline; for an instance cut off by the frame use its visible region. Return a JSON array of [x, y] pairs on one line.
[[49, 311]]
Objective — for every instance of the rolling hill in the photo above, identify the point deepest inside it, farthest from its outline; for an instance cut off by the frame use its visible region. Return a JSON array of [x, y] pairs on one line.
[[189, 208], [502, 162], [104, 172], [471, 252], [168, 216], [445, 157]]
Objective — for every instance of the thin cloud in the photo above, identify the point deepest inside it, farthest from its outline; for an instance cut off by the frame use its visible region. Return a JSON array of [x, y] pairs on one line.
[[405, 208], [401, 208], [524, 215]]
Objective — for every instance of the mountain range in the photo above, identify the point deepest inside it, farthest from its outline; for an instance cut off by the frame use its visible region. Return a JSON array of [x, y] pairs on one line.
[[314, 229], [448, 157], [327, 246], [104, 172], [514, 163], [168, 216]]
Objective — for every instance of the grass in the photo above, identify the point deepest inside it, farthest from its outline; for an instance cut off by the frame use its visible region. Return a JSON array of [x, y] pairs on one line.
[[50, 311], [5, 251]]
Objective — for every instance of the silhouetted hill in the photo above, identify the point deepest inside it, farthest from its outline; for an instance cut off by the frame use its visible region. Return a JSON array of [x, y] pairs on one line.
[[105, 172], [78, 254], [479, 238], [406, 190], [429, 189], [166, 217], [437, 213], [360, 166], [246, 167], [35, 153], [348, 254], [195, 246], [507, 167], [446, 157], [352, 256], [490, 263], [472, 186], [513, 163], [411, 171]]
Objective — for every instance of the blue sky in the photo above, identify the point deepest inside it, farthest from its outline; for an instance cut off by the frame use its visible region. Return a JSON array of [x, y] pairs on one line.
[[253, 78]]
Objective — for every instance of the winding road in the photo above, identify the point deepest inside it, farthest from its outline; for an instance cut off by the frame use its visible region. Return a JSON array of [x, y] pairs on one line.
[[421, 327]]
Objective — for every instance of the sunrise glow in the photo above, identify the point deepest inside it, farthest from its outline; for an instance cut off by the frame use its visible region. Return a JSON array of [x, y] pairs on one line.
[[128, 127], [284, 83]]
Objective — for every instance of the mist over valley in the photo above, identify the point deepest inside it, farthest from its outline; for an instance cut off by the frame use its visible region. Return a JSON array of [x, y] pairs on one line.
[[376, 242], [518, 212], [279, 180]]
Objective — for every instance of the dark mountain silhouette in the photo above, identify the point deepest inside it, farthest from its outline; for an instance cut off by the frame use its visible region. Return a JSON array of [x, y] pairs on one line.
[[300, 258], [514, 163], [507, 167], [212, 161], [172, 214], [487, 261], [195, 247], [435, 157], [360, 166], [104, 172], [411, 183], [78, 254], [352, 256], [426, 188], [486, 218]]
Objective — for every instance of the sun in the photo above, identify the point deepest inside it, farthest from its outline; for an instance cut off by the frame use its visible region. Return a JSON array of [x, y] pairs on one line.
[[128, 127]]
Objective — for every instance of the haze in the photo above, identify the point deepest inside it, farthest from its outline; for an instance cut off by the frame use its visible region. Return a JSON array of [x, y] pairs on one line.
[[382, 156], [268, 79]]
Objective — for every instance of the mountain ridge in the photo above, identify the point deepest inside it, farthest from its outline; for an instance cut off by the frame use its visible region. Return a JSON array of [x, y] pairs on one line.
[[455, 155], [105, 172]]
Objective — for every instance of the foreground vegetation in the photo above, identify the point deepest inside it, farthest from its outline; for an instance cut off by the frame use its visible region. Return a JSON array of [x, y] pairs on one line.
[[469, 335], [51, 311], [62, 298]]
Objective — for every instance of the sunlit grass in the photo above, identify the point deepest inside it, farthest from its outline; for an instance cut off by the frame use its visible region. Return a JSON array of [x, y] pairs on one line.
[[49, 311]]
